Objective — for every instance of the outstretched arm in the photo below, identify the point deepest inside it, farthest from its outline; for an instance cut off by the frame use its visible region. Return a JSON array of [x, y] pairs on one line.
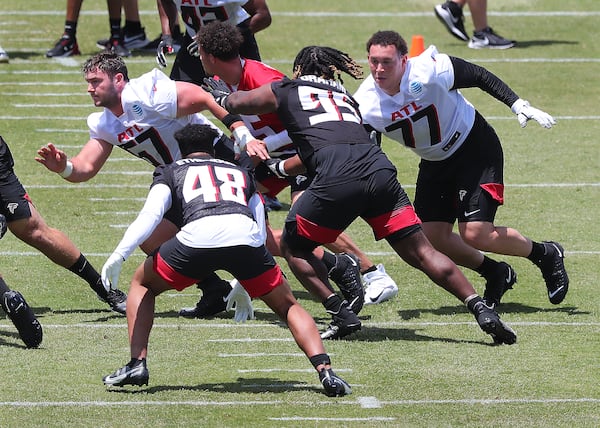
[[82, 167]]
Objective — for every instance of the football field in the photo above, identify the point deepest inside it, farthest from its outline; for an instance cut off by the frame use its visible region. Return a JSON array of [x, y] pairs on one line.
[[420, 359]]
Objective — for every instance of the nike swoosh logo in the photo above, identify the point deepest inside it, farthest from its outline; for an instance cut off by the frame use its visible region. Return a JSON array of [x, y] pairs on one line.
[[508, 277], [352, 261], [470, 213], [377, 297], [82, 267], [551, 294]]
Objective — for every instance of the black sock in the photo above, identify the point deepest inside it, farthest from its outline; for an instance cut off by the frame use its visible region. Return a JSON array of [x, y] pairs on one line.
[[487, 267], [84, 269], [333, 303], [133, 27], [3, 286], [115, 28], [329, 260], [71, 28], [538, 251], [371, 269]]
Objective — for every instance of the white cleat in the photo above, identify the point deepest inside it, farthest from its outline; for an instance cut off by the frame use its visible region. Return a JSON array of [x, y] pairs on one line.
[[379, 286]]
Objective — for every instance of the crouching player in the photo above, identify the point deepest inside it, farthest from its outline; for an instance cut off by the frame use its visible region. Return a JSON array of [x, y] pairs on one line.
[[222, 227]]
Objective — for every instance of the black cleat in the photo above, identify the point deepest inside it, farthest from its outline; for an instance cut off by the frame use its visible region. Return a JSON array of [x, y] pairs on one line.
[[117, 300], [344, 322], [554, 272], [20, 313], [451, 16], [334, 385], [134, 373], [490, 322], [65, 46], [498, 283], [212, 301], [346, 275]]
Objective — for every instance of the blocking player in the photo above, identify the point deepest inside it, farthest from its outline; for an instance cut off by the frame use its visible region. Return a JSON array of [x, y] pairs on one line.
[[417, 103], [351, 177], [140, 116]]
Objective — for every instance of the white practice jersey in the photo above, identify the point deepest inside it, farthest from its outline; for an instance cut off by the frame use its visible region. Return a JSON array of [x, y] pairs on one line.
[[425, 115], [149, 121], [197, 13]]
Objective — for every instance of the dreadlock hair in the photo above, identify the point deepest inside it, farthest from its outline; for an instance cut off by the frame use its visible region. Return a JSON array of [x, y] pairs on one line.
[[107, 62], [195, 137], [325, 62], [221, 39], [388, 38]]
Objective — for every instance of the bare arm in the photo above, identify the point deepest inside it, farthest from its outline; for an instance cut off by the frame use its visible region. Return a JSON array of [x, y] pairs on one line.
[[167, 12], [260, 16], [257, 101], [86, 163]]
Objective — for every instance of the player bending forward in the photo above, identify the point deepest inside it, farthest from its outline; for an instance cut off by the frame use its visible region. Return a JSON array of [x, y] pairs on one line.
[[222, 227]]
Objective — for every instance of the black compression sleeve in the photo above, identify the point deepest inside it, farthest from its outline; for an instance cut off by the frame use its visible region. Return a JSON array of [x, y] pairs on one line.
[[469, 75]]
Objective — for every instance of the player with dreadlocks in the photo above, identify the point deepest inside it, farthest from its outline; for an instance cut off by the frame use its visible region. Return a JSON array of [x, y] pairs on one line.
[[352, 178]]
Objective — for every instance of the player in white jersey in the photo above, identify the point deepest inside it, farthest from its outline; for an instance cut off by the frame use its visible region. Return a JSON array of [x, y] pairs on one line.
[[140, 116], [417, 103]]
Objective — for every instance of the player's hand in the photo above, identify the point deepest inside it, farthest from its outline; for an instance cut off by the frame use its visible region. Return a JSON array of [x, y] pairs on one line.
[[276, 167], [164, 47], [111, 271], [526, 112], [218, 89], [257, 148], [52, 158], [240, 299]]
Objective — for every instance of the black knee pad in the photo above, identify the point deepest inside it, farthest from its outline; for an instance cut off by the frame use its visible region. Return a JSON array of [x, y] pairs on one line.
[[19, 312]]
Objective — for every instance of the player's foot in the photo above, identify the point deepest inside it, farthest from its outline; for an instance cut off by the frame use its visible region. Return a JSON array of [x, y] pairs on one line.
[[116, 299], [554, 272], [132, 39], [134, 372], [65, 46], [334, 385], [344, 322], [490, 322], [451, 15], [116, 46], [487, 39], [212, 301], [3, 56], [498, 283], [22, 316], [379, 286], [346, 274]]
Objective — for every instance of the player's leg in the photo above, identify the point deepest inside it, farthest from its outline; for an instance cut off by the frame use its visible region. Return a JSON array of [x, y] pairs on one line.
[[145, 285], [57, 246], [21, 314], [305, 333]]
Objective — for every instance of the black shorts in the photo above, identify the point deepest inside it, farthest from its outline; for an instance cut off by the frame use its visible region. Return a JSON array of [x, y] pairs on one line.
[[469, 186], [181, 266], [14, 201], [321, 214]]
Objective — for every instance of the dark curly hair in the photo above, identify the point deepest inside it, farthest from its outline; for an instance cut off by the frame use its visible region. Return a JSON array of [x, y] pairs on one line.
[[388, 38], [221, 39], [196, 138], [325, 62]]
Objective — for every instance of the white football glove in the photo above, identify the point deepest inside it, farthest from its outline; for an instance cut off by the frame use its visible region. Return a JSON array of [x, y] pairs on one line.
[[241, 299], [164, 47], [525, 112], [111, 271]]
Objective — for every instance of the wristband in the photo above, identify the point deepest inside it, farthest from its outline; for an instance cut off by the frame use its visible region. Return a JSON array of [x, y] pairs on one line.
[[242, 136], [66, 173], [281, 169], [230, 119]]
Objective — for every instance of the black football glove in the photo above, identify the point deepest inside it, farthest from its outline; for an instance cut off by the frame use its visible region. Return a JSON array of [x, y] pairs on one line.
[[276, 167], [218, 89], [164, 47]]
